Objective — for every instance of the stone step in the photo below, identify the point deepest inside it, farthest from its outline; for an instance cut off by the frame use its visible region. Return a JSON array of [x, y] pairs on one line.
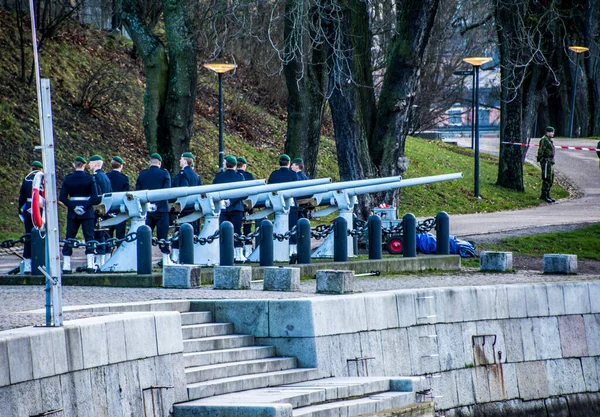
[[356, 407], [248, 382], [229, 341], [196, 317], [195, 331], [226, 370], [212, 357]]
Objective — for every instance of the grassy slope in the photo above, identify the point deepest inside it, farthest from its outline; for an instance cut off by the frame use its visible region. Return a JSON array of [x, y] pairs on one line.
[[250, 131]]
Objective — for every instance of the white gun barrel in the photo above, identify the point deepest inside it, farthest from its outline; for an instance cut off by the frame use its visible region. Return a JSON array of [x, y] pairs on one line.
[[246, 192]]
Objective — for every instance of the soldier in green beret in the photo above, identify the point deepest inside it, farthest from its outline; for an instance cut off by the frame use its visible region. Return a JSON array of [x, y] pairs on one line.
[[545, 157], [25, 211], [119, 182]]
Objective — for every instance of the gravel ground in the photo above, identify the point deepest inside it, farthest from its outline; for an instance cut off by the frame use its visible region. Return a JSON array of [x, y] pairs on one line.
[[15, 301]]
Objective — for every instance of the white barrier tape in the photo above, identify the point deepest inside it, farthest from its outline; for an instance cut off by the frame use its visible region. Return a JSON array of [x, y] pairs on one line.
[[575, 148]]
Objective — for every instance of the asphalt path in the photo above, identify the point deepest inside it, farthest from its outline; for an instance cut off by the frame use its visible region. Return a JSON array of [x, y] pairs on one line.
[[579, 167]]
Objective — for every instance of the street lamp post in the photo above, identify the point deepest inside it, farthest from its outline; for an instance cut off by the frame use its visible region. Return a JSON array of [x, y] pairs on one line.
[[577, 50], [220, 69], [476, 62]]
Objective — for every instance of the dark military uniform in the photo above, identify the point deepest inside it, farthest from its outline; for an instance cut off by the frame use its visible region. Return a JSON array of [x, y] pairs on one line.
[[235, 212], [302, 213], [79, 189], [187, 177], [545, 157], [25, 209], [119, 182], [103, 186], [285, 174], [155, 178], [247, 177]]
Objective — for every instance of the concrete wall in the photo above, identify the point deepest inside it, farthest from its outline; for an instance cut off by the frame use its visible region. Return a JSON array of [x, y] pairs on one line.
[[122, 365], [476, 344]]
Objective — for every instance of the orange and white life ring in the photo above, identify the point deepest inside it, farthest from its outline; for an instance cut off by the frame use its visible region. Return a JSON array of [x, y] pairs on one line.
[[38, 206]]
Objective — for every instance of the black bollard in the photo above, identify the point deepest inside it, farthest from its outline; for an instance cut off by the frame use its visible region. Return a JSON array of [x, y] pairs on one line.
[[226, 244], [38, 251], [266, 243], [144, 250], [303, 238], [442, 233], [186, 244], [340, 240], [409, 227], [374, 225], [355, 237]]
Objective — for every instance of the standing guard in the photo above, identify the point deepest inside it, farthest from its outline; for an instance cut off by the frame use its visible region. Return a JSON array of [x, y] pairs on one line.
[[242, 164], [104, 186], [78, 193], [187, 177], [156, 178], [119, 182], [545, 156], [25, 212], [234, 209], [297, 167], [285, 174]]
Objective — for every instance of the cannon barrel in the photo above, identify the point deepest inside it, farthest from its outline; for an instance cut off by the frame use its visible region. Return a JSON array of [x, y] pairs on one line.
[[269, 188], [112, 201], [318, 189]]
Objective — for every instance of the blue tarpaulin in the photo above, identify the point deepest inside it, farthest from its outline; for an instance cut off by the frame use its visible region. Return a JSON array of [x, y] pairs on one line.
[[426, 243]]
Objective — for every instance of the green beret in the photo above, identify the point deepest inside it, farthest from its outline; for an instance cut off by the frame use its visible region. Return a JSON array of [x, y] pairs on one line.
[[298, 161], [118, 159], [80, 159], [156, 156], [95, 158], [284, 157], [231, 159], [187, 155], [549, 129], [242, 160], [37, 164]]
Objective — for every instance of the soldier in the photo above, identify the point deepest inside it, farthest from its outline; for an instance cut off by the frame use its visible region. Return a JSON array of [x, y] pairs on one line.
[[297, 167], [119, 182], [25, 211], [78, 193], [187, 177], [285, 174], [234, 209], [156, 178], [103, 185], [242, 164], [545, 157]]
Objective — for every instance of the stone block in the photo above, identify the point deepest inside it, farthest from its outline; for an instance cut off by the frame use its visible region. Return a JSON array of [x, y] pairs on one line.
[[41, 340], [4, 363], [395, 346], [115, 331], [464, 387], [577, 298], [331, 281], [169, 305], [511, 386], [428, 307], [181, 276], [77, 393], [338, 314], [237, 410], [247, 316], [292, 318], [232, 277], [59, 349], [529, 352], [556, 263], [140, 336], [572, 336], [94, 343], [424, 355], [304, 349], [592, 333], [594, 292], [19, 358], [517, 305], [445, 387], [450, 346], [381, 309], [407, 313], [73, 347], [452, 299], [481, 384], [485, 302], [590, 374], [513, 340], [565, 376], [168, 332], [556, 299], [51, 393], [532, 380], [495, 261], [281, 279], [536, 298], [546, 338]]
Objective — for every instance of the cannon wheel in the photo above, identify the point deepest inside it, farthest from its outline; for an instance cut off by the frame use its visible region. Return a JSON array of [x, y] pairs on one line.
[[395, 245]]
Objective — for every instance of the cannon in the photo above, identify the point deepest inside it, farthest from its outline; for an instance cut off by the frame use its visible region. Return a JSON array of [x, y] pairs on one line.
[[340, 196], [206, 201]]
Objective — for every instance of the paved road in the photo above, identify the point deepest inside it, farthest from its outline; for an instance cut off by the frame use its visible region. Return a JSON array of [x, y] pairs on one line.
[[581, 167]]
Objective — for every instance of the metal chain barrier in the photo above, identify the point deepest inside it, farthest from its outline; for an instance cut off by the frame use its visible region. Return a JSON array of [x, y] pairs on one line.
[[361, 229], [247, 238], [321, 231], [94, 244], [422, 227], [205, 240], [285, 236], [9, 243]]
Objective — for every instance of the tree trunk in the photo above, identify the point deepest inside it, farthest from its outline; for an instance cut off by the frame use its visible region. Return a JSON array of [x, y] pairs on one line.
[[183, 77], [592, 65], [156, 69], [414, 22], [306, 80]]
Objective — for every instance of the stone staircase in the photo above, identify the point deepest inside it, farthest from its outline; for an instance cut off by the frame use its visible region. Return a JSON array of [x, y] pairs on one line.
[[227, 375]]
